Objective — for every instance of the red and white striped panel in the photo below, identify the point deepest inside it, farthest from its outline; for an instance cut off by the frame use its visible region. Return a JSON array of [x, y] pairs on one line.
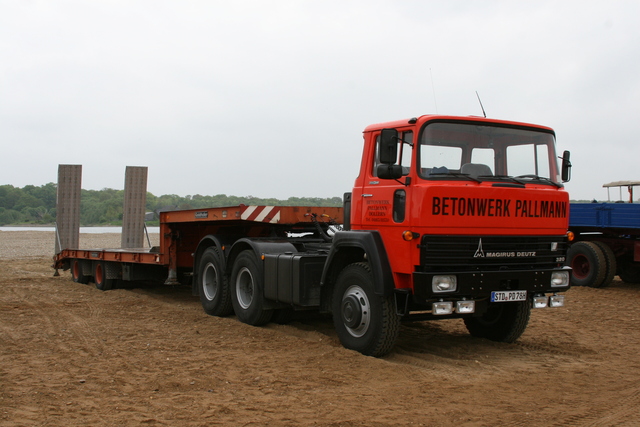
[[269, 214]]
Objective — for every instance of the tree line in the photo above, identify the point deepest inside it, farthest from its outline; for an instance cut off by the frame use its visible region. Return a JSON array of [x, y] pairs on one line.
[[37, 205]]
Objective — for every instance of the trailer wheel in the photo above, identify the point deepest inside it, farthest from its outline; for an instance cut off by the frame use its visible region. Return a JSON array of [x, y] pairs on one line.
[[503, 321], [610, 262], [76, 272], [212, 284], [629, 271], [247, 292], [364, 321], [588, 264], [100, 277]]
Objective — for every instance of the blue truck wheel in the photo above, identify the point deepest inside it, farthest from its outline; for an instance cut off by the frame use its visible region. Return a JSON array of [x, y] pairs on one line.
[[588, 264]]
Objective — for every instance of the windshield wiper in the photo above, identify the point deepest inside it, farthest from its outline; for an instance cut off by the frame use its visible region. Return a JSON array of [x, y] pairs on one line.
[[503, 178], [539, 178], [455, 174]]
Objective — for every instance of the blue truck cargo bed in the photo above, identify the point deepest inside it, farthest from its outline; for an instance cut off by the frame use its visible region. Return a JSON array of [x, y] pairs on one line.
[[604, 215]]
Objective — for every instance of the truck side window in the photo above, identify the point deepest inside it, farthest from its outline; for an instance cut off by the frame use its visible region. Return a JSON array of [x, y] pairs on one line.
[[399, 205], [404, 153]]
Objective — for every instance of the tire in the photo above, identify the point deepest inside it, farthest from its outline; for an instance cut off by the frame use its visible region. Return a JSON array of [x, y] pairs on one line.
[[629, 271], [364, 321], [610, 262], [76, 272], [247, 290], [588, 264], [100, 277], [503, 321], [212, 284]]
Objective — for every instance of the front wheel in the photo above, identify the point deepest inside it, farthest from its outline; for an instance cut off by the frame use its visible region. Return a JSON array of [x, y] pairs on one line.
[[503, 321], [247, 292], [364, 321], [212, 285]]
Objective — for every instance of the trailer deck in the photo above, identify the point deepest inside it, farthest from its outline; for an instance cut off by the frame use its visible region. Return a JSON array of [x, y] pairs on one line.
[[176, 248]]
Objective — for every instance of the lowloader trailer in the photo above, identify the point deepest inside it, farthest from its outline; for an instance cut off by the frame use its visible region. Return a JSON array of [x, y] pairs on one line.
[[449, 217]]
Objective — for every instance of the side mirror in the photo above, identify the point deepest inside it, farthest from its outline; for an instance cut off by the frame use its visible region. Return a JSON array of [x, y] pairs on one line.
[[566, 166], [389, 171], [388, 146]]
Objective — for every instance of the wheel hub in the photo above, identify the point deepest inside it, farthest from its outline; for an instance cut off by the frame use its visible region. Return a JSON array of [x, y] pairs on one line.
[[580, 266], [244, 288], [356, 311], [210, 281], [351, 311]]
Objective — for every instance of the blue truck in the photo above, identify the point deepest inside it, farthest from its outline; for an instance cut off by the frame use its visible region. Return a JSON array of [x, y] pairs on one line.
[[606, 240]]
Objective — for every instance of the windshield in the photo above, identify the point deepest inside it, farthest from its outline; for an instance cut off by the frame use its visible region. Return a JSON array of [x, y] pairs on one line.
[[486, 152]]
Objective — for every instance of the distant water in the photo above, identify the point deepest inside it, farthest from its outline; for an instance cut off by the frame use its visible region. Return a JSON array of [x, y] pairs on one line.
[[93, 230]]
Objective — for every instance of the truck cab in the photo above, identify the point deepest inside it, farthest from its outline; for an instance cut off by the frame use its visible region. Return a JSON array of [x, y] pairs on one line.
[[471, 211]]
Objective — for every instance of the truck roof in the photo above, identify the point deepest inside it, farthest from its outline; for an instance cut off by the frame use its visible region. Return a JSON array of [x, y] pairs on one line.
[[427, 117]]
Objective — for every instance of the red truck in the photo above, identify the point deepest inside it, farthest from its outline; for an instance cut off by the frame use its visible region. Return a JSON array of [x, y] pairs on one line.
[[450, 217]]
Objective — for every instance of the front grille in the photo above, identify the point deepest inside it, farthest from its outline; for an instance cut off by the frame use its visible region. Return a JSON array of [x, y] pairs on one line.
[[490, 253]]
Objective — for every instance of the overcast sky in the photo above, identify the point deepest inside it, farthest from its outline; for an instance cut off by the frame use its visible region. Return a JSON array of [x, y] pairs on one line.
[[269, 98]]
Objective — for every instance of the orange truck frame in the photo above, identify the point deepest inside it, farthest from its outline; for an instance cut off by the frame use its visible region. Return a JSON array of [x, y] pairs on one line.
[[450, 217]]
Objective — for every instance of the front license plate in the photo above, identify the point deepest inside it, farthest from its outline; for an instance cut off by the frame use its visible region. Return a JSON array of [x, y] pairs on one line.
[[507, 296]]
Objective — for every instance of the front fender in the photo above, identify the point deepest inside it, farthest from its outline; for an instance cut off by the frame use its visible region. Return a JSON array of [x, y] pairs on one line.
[[355, 246]]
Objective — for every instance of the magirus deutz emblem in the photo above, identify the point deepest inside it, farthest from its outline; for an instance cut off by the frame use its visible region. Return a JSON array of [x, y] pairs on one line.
[[480, 253]]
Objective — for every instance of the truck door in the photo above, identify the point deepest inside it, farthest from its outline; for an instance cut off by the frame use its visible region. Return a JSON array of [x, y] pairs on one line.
[[386, 201]]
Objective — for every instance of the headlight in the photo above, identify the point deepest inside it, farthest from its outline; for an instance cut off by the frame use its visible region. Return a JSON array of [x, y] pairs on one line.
[[444, 283], [559, 279]]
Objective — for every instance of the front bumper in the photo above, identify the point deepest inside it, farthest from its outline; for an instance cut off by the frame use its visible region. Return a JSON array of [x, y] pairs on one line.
[[479, 284]]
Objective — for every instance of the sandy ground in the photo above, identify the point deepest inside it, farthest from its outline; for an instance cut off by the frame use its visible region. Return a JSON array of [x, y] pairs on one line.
[[72, 355]]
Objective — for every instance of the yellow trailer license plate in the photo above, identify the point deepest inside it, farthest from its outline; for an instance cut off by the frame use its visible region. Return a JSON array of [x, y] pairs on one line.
[[507, 296]]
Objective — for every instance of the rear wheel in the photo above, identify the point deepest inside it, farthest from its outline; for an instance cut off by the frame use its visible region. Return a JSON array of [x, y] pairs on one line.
[[76, 272], [588, 264], [247, 291], [364, 321], [503, 322], [100, 277], [610, 261], [212, 284]]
